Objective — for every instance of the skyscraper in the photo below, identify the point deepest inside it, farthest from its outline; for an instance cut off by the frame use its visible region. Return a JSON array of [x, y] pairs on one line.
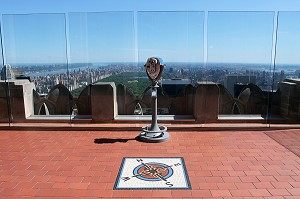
[[7, 73], [231, 80]]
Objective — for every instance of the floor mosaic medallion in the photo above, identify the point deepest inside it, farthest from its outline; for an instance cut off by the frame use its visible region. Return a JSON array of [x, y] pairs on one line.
[[152, 173]]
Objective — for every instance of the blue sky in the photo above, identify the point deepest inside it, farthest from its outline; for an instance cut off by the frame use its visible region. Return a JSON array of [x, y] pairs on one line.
[[240, 37], [50, 6], [132, 30]]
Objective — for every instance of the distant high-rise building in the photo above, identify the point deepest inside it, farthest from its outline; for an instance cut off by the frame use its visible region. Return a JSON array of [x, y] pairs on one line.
[[74, 83], [7, 72], [56, 81], [282, 76], [264, 74], [174, 86], [231, 80]]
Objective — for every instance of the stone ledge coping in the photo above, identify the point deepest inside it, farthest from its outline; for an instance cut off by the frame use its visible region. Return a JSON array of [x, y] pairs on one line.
[[159, 117], [240, 117]]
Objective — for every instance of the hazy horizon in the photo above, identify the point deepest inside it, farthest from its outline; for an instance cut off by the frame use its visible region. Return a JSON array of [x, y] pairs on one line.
[[142, 62]]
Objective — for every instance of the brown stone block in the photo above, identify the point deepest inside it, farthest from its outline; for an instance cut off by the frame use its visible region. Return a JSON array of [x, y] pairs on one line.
[[103, 101], [206, 102]]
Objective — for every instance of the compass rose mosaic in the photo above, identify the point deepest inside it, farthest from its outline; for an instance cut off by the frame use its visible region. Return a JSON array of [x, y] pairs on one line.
[[152, 173]]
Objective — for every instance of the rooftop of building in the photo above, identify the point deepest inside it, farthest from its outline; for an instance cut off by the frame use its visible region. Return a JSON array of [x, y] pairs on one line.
[[84, 162]]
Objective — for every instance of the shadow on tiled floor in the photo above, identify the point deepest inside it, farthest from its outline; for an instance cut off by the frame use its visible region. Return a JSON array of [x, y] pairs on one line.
[[290, 139], [111, 141]]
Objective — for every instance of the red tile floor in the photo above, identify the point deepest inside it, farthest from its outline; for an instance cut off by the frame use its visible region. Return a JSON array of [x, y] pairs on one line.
[[220, 164]]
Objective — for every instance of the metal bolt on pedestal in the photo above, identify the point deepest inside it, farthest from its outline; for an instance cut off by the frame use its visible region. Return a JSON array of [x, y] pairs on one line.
[[154, 133]]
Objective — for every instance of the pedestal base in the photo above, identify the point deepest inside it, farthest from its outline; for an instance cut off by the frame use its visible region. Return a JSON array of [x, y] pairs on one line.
[[154, 136]]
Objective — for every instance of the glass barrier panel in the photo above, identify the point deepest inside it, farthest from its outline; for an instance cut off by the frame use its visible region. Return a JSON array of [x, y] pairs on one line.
[[35, 52], [4, 100], [102, 49], [178, 39], [285, 104], [239, 61]]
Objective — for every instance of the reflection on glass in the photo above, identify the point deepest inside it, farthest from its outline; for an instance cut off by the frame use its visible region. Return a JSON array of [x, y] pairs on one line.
[[177, 38], [102, 49], [287, 68], [239, 59]]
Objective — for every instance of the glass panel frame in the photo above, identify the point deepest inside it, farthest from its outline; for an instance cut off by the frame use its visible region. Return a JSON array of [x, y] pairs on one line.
[[5, 99], [285, 103], [187, 41], [241, 45], [177, 37], [102, 46], [35, 47]]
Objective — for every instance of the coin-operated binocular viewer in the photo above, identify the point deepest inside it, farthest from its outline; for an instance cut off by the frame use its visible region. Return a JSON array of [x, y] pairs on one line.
[[154, 133]]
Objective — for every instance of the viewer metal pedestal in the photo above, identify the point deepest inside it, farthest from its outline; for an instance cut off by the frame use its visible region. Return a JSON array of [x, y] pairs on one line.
[[154, 133]]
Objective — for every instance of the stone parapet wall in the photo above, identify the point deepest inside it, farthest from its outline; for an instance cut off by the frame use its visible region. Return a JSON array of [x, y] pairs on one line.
[[102, 102]]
